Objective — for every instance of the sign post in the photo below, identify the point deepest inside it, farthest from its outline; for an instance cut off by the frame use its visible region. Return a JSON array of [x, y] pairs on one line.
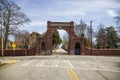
[[14, 46], [1, 16], [26, 47], [91, 37]]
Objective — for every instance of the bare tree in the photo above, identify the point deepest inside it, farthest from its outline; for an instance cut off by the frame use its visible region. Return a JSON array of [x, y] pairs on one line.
[[12, 18], [117, 18], [21, 38], [80, 28]]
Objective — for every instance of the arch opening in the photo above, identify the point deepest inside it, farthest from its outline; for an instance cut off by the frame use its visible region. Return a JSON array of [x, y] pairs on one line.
[[77, 49], [61, 48], [42, 47]]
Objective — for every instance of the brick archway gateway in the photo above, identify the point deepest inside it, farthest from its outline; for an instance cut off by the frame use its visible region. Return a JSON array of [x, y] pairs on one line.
[[47, 38]]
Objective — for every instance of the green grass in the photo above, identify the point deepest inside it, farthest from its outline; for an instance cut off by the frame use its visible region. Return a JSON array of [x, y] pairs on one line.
[[2, 64]]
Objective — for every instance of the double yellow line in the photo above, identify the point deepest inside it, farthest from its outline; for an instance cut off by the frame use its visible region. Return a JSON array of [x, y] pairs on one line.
[[72, 74]]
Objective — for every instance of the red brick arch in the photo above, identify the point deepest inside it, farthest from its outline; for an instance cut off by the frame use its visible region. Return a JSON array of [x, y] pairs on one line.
[[54, 26]]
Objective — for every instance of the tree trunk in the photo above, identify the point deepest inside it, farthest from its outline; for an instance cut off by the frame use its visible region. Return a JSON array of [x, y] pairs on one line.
[[5, 39]]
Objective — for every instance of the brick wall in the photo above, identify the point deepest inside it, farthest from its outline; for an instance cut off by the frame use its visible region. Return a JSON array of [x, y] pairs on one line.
[[107, 52], [21, 52], [32, 51]]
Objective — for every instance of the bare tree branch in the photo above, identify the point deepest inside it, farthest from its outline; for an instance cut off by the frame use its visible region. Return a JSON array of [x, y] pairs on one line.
[[12, 17]]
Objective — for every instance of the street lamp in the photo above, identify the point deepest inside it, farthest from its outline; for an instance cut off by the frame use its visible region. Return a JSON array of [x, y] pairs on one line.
[[1, 33], [91, 37]]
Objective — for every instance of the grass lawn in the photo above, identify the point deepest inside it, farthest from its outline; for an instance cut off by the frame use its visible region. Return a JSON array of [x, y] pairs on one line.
[[2, 64]]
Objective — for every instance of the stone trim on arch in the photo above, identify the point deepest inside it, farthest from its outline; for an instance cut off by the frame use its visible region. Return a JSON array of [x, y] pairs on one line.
[[47, 38]]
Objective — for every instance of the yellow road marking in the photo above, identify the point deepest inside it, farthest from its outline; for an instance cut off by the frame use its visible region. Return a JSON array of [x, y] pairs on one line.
[[10, 61], [72, 74], [71, 77]]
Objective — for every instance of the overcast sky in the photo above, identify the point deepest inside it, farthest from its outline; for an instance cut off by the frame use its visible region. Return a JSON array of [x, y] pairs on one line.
[[41, 11]]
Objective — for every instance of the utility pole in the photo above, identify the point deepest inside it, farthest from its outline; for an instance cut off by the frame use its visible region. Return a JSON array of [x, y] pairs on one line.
[[2, 33], [91, 37]]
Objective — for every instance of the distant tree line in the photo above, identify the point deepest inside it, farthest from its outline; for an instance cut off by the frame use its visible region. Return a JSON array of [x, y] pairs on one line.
[[107, 38]]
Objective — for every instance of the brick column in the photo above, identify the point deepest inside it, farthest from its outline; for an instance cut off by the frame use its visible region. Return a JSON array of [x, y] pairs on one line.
[[82, 46], [72, 44]]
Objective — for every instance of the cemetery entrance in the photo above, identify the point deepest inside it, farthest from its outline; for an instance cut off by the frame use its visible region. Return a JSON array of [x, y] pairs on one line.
[[76, 44]]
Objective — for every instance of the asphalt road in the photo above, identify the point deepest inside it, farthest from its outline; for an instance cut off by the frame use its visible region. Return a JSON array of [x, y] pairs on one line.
[[61, 67], [60, 51]]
